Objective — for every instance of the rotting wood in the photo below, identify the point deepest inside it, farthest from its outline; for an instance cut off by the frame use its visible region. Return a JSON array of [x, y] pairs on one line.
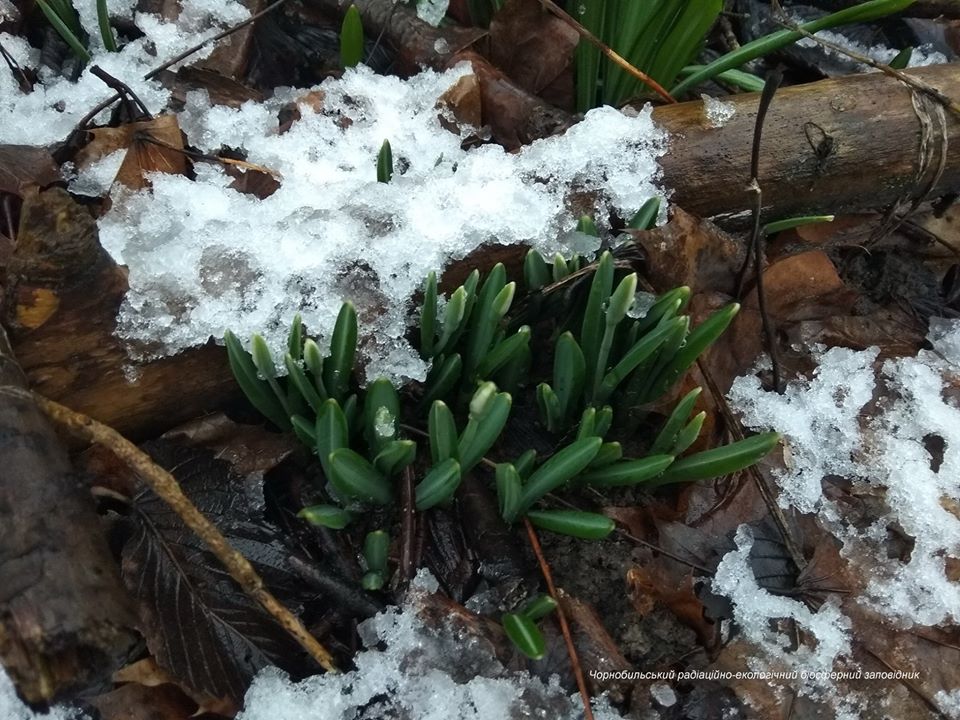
[[66, 621]]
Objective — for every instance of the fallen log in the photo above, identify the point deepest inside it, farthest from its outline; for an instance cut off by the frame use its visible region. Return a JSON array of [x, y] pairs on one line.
[[66, 622]]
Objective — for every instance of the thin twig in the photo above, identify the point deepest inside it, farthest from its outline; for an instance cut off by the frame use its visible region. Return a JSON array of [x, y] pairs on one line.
[[736, 430], [121, 87], [408, 527], [168, 489], [85, 120], [196, 155], [564, 627], [607, 51], [756, 243]]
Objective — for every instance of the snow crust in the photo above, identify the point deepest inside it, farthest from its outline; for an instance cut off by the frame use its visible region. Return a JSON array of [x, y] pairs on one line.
[[920, 57], [418, 673], [880, 426], [754, 607], [56, 104], [717, 111], [204, 257]]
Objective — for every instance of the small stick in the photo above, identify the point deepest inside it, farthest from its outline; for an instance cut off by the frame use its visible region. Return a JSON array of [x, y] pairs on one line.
[[607, 51], [121, 87], [166, 487], [408, 527], [756, 236], [22, 80], [186, 53], [564, 628]]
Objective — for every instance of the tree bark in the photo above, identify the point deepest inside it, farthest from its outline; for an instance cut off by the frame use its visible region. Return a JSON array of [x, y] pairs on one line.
[[65, 618]]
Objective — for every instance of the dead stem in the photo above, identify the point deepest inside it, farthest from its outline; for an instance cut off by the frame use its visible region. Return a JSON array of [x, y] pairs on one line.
[[607, 51], [564, 627]]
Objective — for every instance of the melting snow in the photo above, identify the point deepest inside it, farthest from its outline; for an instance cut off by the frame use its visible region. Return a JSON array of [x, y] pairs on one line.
[[419, 673], [11, 707], [892, 447], [717, 111], [204, 257]]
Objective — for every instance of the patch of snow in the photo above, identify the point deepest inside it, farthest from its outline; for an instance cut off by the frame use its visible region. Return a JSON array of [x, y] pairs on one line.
[[204, 258], [921, 56], [717, 111], [828, 433], [432, 11], [944, 335], [12, 708], [428, 674], [56, 104], [8, 11], [95, 179], [754, 607], [949, 703]]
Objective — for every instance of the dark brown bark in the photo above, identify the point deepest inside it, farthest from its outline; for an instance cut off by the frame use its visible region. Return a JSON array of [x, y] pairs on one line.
[[65, 618], [868, 122]]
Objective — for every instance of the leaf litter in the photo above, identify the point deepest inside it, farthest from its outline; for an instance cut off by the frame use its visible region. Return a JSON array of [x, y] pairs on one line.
[[891, 423]]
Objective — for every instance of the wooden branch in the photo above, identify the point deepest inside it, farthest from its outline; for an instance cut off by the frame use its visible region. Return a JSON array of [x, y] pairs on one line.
[[865, 127], [66, 622]]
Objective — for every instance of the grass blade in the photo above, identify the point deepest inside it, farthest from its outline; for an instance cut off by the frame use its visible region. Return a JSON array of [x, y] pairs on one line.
[[525, 635], [343, 348], [329, 516], [439, 485], [395, 456], [258, 392], [509, 491], [575, 523], [381, 414], [353, 476], [720, 461], [475, 442], [559, 470], [331, 432], [385, 163], [676, 421], [106, 32], [428, 317], [569, 374], [628, 472], [442, 430], [301, 383], [351, 38], [774, 41]]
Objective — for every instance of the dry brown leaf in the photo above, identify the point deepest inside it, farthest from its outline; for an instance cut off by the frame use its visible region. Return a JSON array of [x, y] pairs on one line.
[[23, 166], [535, 48], [147, 673], [463, 100], [144, 156], [139, 702], [690, 251]]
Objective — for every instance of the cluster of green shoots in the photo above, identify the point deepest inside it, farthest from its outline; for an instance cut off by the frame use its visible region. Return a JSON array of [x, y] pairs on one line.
[[366, 440]]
